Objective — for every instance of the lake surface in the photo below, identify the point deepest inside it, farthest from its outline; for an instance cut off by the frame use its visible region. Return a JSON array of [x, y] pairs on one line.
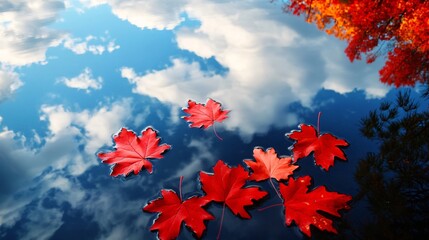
[[71, 80]]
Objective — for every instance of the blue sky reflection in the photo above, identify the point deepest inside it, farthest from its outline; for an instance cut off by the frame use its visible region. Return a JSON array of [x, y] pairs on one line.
[[73, 73]]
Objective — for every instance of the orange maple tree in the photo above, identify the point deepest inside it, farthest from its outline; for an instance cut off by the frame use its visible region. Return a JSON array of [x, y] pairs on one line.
[[397, 29]]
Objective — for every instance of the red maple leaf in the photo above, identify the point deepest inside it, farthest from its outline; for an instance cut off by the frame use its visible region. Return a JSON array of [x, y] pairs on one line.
[[132, 153], [269, 165], [205, 115], [325, 146], [225, 185], [173, 211], [302, 206]]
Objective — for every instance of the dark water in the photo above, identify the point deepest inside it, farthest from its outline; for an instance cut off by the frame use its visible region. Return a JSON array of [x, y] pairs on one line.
[[95, 205]]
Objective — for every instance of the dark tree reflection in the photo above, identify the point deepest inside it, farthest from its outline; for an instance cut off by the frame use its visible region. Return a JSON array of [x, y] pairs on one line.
[[395, 180]]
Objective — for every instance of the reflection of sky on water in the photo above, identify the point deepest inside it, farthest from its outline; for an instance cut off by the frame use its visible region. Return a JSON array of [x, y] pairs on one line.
[[99, 206], [272, 70]]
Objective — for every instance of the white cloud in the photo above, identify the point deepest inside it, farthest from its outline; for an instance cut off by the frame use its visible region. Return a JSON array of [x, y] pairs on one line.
[[9, 82], [24, 27], [82, 46], [273, 59], [84, 81], [151, 14]]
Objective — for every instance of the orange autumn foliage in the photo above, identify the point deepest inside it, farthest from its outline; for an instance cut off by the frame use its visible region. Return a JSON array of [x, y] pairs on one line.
[[397, 29]]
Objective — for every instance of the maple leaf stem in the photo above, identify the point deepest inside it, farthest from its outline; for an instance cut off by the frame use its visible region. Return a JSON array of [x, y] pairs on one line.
[[214, 130], [318, 123], [180, 187], [221, 222], [275, 189], [267, 207]]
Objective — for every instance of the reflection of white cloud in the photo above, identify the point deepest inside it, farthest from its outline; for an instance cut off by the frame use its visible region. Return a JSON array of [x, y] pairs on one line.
[[151, 14], [84, 81], [13, 156], [272, 61], [342, 76], [201, 157], [68, 132], [191, 83], [114, 223], [26, 208], [62, 153], [9, 82], [98, 126], [82, 46], [169, 85], [175, 115], [71, 191], [111, 46], [12, 208], [102, 124], [24, 31], [41, 223], [140, 117]]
